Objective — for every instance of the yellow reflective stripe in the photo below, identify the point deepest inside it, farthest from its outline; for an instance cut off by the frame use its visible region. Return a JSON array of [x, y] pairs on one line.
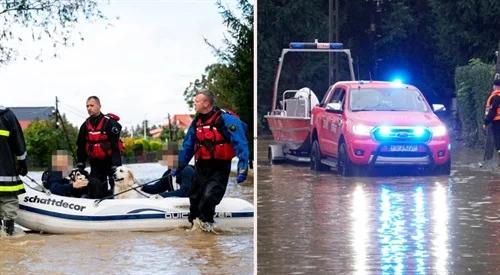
[[12, 188], [4, 133]]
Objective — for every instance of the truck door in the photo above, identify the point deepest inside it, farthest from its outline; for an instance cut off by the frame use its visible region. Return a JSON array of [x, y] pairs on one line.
[[334, 123], [321, 120]]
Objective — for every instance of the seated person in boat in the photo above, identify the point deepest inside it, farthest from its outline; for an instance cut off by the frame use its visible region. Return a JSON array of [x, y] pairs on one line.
[[63, 180], [164, 187]]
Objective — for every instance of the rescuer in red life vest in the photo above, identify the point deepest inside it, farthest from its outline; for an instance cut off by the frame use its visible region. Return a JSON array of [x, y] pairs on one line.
[[214, 138], [98, 142]]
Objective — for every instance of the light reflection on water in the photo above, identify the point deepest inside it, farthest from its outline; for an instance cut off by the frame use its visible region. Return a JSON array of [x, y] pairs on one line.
[[318, 222], [392, 231], [419, 237], [440, 222], [401, 230], [360, 229]]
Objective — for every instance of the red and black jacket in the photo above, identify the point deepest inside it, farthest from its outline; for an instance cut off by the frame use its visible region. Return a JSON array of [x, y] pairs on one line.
[[210, 142], [98, 139]]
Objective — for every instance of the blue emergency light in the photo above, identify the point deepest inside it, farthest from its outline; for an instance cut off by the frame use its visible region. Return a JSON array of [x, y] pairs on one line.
[[312, 45], [397, 82], [385, 131], [418, 131]]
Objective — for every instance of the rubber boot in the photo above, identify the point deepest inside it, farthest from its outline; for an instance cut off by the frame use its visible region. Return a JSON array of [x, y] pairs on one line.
[[9, 227]]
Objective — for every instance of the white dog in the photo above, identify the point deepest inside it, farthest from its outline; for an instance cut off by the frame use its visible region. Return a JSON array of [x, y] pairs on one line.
[[124, 179]]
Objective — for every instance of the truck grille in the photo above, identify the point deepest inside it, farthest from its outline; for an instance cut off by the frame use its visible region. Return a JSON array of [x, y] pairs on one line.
[[401, 134]]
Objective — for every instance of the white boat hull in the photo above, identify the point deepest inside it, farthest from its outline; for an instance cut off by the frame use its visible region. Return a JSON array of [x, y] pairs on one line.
[[57, 214]]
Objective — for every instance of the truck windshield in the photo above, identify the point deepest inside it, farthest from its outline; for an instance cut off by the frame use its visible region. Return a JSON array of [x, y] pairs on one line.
[[387, 99]]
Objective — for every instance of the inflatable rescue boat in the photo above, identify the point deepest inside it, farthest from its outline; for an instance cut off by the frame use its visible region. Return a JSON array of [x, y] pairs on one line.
[[45, 212]]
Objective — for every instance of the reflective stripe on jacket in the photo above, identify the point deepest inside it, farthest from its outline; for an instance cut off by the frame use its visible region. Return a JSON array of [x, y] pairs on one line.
[[12, 148]]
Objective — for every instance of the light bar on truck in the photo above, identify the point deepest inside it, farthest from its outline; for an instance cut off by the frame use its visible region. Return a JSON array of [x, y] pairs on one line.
[[313, 45]]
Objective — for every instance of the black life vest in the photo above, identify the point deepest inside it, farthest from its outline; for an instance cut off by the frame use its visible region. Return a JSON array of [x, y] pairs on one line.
[[210, 142]]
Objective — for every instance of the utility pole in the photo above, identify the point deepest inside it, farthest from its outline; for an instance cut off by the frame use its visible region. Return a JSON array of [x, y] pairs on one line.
[[145, 126], [170, 128], [333, 71], [497, 69], [59, 118]]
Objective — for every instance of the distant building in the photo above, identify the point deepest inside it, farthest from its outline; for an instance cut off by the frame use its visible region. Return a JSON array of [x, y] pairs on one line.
[[156, 133], [181, 122], [26, 115]]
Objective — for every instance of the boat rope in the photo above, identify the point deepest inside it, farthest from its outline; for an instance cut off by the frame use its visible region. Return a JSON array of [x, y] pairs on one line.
[[45, 190], [96, 202]]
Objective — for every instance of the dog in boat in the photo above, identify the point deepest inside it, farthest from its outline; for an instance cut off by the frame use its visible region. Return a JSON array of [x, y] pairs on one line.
[[87, 186], [124, 179], [78, 174]]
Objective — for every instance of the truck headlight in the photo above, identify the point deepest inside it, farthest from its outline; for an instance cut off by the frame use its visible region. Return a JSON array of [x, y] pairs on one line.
[[361, 130], [439, 131]]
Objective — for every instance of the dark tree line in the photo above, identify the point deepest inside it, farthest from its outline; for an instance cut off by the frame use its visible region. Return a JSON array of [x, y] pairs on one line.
[[423, 41]]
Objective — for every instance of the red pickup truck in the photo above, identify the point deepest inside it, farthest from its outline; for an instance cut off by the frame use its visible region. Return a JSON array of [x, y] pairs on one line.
[[366, 124]]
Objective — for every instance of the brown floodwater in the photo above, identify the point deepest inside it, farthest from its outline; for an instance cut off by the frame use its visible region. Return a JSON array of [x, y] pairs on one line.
[[170, 252], [396, 222]]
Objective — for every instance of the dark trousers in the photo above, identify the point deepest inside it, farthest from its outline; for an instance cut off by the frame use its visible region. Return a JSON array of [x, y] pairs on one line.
[[208, 188], [101, 170], [495, 127]]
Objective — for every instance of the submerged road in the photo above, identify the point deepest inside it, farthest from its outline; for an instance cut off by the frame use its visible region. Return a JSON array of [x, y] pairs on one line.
[[397, 223]]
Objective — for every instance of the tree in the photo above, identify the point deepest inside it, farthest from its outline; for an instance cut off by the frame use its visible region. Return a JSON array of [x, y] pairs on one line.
[[279, 23], [43, 138], [36, 20]]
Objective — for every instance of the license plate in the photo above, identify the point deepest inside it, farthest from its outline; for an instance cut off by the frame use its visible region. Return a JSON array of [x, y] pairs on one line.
[[403, 148]]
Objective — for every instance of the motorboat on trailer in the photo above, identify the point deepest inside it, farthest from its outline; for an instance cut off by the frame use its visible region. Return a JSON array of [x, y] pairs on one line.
[[290, 122], [41, 211]]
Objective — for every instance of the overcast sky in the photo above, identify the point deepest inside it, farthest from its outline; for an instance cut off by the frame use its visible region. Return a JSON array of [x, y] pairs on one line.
[[139, 67]]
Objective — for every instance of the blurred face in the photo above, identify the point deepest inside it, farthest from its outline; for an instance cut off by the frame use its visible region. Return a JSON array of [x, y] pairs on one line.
[[93, 108], [496, 87], [170, 158], [62, 162], [201, 104]]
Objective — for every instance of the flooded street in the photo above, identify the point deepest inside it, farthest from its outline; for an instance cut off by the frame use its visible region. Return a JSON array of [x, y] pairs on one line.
[[170, 252], [310, 222]]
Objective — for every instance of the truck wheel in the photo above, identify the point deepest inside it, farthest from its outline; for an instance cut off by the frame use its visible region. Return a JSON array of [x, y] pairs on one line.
[[316, 158], [270, 157], [345, 166], [444, 169]]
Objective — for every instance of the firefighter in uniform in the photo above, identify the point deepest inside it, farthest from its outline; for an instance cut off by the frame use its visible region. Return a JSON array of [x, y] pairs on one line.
[[492, 113], [214, 138], [12, 164], [98, 142]]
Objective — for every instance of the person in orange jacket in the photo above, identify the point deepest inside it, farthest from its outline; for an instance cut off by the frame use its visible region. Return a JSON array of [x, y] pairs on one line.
[[493, 113]]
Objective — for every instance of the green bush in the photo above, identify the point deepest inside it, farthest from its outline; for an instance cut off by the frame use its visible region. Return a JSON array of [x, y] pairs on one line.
[[137, 146], [473, 86], [43, 138], [155, 145]]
